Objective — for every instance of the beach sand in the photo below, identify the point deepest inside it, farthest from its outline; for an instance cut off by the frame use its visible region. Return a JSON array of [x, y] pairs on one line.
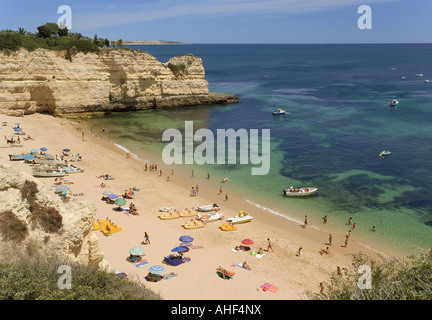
[[197, 279]]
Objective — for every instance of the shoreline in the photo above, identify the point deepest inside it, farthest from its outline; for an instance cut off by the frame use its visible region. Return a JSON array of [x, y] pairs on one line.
[[293, 275]]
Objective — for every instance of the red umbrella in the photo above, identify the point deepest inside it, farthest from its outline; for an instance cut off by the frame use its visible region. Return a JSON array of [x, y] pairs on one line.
[[247, 242]]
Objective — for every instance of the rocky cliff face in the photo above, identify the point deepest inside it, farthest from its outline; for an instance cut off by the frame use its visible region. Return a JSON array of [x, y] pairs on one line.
[[73, 240], [111, 80]]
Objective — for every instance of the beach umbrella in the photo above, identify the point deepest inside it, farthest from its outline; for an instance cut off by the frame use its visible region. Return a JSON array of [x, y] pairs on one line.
[[17, 129], [106, 193], [58, 179], [186, 239], [17, 123], [28, 158], [112, 196], [61, 189], [156, 269], [43, 149], [247, 242], [130, 193], [137, 251], [120, 201], [66, 193], [180, 249], [66, 150]]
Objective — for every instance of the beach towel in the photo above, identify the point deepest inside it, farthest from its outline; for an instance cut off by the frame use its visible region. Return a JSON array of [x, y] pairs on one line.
[[238, 264], [273, 289], [141, 264], [259, 256], [234, 250], [170, 275], [197, 247], [269, 287]]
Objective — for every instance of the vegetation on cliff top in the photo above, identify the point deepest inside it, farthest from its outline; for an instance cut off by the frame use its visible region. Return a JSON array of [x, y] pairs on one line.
[[50, 36]]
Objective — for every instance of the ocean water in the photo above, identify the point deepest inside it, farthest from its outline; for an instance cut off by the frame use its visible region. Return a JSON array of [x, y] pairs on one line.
[[338, 120]]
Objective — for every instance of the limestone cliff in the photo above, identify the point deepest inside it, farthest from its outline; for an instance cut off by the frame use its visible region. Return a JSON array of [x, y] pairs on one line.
[[74, 239], [110, 80]]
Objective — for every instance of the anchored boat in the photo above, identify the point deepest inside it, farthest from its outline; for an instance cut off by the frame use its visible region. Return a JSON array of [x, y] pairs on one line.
[[299, 192]]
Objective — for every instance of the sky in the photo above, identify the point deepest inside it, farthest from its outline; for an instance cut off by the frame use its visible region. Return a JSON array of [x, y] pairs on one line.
[[231, 21]]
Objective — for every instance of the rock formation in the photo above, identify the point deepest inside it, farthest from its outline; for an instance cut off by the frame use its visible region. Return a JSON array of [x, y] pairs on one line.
[[74, 240], [110, 80]]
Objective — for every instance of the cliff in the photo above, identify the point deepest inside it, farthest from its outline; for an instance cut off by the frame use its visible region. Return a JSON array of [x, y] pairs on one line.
[[110, 80], [73, 240]]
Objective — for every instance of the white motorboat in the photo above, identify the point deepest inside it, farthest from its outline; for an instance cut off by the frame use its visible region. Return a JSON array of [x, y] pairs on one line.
[[210, 207], [211, 216], [70, 168], [394, 103], [49, 172], [385, 153], [427, 81], [419, 75], [242, 217], [279, 111], [299, 192]]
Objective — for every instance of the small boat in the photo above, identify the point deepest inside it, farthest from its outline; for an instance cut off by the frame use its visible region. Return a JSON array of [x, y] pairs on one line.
[[188, 213], [385, 153], [403, 78], [210, 207], [14, 157], [394, 103], [194, 224], [166, 209], [228, 227], [71, 168], [279, 112], [211, 216], [299, 192], [242, 217], [169, 215], [419, 75], [427, 81], [48, 172]]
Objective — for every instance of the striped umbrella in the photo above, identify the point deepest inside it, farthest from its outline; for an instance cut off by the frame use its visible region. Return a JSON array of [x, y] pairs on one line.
[[156, 269], [137, 251], [66, 193], [61, 189], [58, 179]]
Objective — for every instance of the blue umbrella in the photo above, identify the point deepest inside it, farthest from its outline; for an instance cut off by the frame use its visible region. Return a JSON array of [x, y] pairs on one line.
[[66, 150], [17, 123], [156, 269], [186, 239], [28, 158], [43, 149], [179, 249], [137, 251], [18, 129], [112, 196], [106, 193]]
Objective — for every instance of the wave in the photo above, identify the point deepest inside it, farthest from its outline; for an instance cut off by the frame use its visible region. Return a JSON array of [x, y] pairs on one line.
[[134, 155]]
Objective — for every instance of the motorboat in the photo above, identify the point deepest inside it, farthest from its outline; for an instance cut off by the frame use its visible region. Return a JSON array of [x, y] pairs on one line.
[[427, 81], [48, 172], [21, 156], [188, 213], [242, 217], [419, 75], [299, 192], [210, 207], [70, 168], [211, 216], [48, 161], [194, 224], [228, 227], [394, 103], [385, 153], [279, 112], [169, 215], [166, 209]]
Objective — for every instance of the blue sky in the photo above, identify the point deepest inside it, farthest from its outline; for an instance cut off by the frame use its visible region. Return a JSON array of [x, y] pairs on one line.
[[232, 21]]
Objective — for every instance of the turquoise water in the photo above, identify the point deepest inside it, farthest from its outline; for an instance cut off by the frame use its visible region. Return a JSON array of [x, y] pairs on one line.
[[338, 121]]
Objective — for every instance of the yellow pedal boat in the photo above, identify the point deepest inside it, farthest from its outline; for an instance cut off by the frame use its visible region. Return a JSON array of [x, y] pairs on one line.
[[188, 213], [228, 227], [169, 215], [195, 224]]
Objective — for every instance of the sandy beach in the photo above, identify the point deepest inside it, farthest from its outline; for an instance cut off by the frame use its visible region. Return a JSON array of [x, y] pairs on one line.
[[290, 274]]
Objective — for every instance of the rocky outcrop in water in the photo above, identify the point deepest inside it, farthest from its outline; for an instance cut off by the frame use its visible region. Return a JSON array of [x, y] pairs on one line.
[[110, 80]]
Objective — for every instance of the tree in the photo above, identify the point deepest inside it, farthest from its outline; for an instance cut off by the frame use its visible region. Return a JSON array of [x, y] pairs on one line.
[[119, 42], [21, 31], [107, 43], [48, 30], [95, 39]]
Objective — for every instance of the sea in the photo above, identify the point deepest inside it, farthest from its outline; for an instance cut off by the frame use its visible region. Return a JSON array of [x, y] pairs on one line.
[[338, 121]]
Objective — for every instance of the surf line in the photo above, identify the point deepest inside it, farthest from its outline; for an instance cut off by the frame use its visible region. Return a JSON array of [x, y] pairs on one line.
[[226, 153]]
